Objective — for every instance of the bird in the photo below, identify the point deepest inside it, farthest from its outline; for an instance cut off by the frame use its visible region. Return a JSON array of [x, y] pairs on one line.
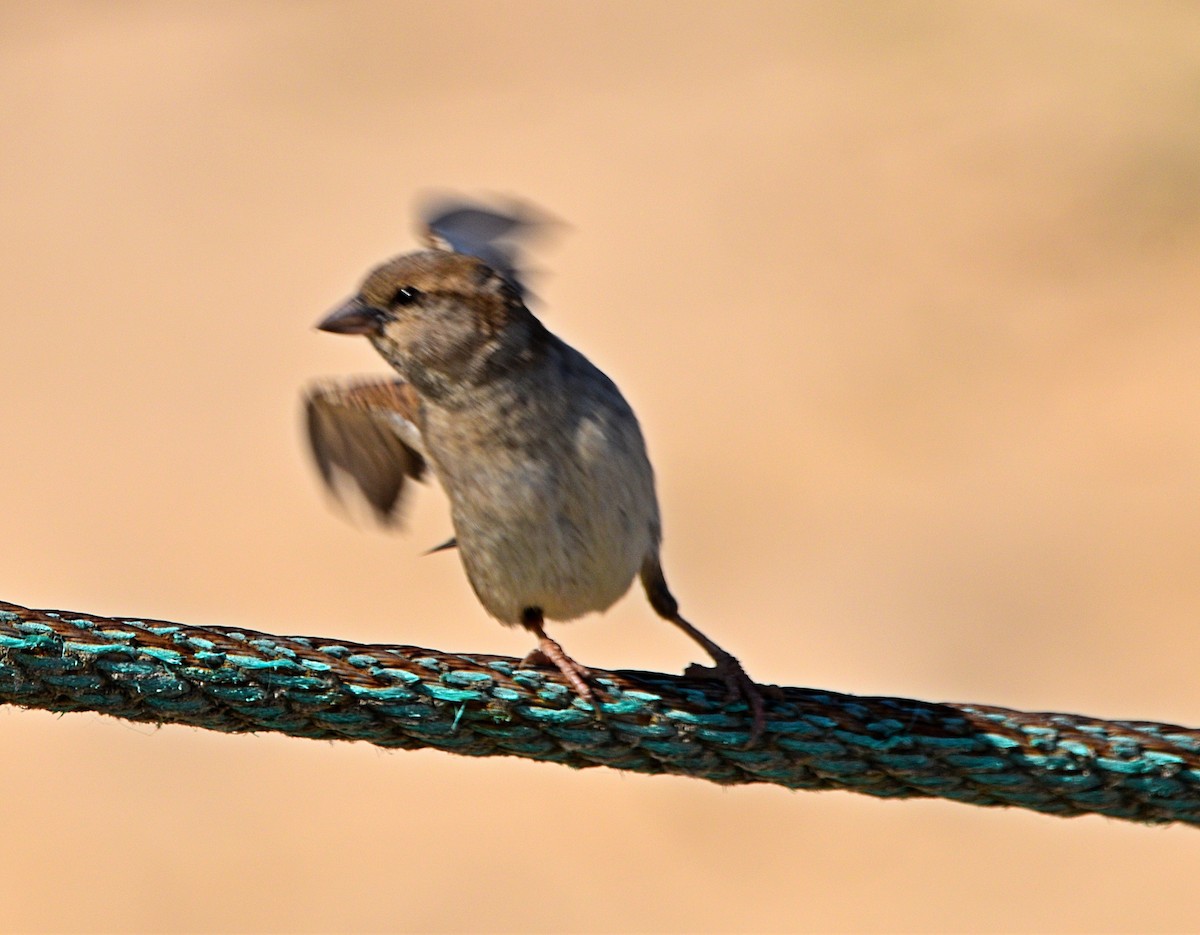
[[551, 491]]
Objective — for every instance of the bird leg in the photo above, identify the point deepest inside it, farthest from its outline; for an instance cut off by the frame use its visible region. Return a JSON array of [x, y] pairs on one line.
[[738, 684], [549, 650]]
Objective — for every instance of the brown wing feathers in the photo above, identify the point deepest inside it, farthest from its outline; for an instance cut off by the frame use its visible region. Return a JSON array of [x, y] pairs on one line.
[[367, 430]]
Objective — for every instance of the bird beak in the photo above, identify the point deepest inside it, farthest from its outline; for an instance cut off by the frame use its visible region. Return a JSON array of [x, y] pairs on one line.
[[353, 317]]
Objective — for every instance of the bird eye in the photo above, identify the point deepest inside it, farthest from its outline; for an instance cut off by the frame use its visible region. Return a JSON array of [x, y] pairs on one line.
[[405, 295]]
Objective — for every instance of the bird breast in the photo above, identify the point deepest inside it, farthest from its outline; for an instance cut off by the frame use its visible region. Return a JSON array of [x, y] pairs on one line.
[[551, 491]]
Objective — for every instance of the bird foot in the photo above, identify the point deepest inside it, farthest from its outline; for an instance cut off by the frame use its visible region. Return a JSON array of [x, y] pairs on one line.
[[549, 653], [738, 687]]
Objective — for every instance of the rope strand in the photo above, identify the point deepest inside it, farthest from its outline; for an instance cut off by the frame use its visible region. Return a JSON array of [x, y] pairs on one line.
[[405, 697]]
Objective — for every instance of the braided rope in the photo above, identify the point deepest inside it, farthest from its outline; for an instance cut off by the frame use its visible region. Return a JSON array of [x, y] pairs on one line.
[[228, 679]]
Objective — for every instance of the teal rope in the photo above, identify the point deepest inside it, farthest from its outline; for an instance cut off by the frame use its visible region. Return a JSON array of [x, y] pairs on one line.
[[228, 679]]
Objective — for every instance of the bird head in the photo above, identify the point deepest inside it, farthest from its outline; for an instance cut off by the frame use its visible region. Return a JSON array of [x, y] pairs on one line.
[[442, 319]]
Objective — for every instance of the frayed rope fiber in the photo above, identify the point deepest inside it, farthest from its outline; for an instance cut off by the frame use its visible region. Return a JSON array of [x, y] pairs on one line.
[[230, 679]]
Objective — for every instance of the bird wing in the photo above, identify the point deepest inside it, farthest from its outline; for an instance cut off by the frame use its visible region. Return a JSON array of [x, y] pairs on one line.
[[370, 430], [494, 235]]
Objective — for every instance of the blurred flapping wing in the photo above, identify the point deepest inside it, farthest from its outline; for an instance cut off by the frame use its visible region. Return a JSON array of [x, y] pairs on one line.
[[495, 234], [369, 430]]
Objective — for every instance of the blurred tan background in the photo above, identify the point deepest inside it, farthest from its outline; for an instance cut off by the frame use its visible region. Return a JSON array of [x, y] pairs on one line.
[[906, 296]]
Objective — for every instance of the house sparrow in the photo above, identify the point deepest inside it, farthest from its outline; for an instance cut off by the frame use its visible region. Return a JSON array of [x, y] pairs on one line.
[[551, 492]]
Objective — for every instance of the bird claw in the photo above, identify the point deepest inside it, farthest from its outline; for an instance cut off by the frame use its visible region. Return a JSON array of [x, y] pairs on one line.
[[549, 654], [738, 687]]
